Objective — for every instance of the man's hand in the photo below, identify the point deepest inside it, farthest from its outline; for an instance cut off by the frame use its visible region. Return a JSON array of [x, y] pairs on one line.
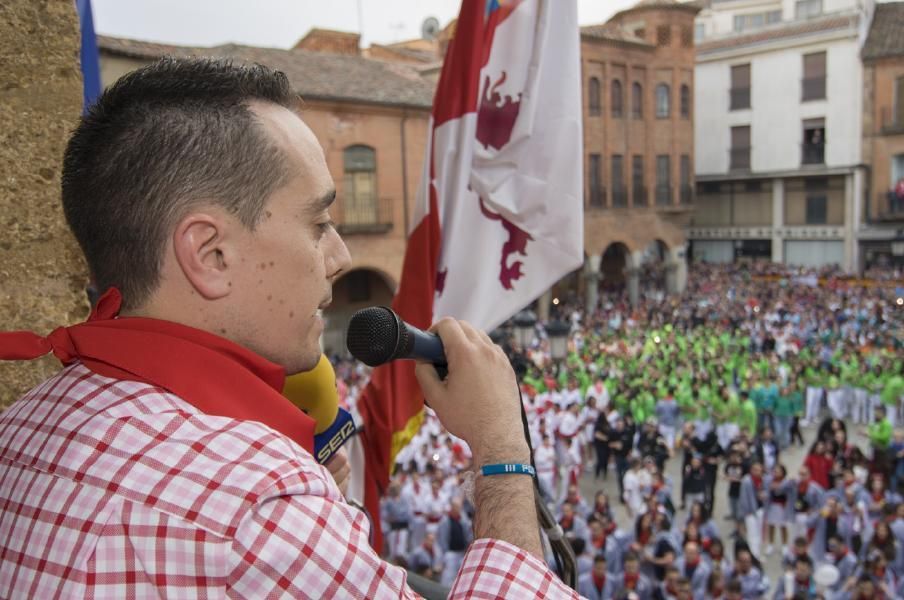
[[339, 468], [478, 401]]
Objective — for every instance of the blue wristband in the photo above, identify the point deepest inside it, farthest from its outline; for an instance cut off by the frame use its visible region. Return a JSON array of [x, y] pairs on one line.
[[508, 469]]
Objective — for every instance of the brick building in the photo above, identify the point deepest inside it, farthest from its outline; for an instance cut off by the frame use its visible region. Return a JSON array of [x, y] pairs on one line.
[[638, 71], [882, 235], [371, 117]]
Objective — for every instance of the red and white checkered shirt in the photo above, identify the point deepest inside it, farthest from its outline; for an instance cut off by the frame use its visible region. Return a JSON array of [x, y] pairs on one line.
[[119, 489]]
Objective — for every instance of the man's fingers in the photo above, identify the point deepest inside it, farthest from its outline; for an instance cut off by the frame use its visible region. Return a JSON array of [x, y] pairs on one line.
[[428, 379]]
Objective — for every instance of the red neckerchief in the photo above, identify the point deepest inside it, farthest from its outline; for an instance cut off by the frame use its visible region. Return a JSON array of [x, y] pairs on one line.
[[878, 496], [213, 374], [599, 541], [757, 482], [802, 487], [567, 522], [631, 580], [599, 581], [643, 537]]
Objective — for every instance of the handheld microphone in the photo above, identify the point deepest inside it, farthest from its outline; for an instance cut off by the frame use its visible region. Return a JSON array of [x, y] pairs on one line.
[[314, 392], [377, 335]]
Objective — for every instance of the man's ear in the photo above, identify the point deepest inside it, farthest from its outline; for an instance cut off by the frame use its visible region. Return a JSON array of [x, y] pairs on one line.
[[201, 247]]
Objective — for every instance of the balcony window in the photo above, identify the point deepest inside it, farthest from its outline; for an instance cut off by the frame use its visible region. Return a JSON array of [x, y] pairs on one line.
[[663, 180], [594, 185], [619, 195], [740, 148], [814, 144], [359, 196], [739, 97], [638, 190], [813, 85]]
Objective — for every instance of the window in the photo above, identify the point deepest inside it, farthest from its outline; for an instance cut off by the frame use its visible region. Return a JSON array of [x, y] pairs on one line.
[[593, 92], [816, 209], [617, 99], [814, 142], [899, 103], [739, 95], [687, 37], [638, 191], [685, 102], [637, 101], [740, 148], [663, 180], [699, 32], [595, 184], [758, 20], [619, 195], [814, 81], [662, 101], [806, 9], [359, 195], [685, 174], [663, 35]]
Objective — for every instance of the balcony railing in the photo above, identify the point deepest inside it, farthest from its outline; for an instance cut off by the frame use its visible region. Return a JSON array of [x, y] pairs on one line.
[[663, 194], [639, 195], [687, 194], [813, 154], [597, 197], [739, 158], [813, 88], [739, 98], [892, 120], [619, 196], [891, 206], [363, 215]]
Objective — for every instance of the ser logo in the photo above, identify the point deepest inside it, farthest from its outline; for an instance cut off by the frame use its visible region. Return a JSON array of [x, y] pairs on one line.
[[336, 442]]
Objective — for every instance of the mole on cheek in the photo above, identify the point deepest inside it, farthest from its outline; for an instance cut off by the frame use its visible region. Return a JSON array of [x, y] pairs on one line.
[[272, 263], [269, 297], [291, 314], [263, 266]]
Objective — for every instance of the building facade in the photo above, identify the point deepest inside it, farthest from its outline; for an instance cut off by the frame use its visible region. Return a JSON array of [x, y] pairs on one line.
[[638, 80], [371, 118], [882, 234], [780, 174]]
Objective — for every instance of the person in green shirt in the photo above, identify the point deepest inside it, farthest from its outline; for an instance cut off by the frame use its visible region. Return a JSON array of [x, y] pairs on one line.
[[747, 418], [879, 434]]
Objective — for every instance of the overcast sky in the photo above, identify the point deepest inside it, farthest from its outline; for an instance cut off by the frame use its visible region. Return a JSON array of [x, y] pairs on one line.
[[281, 23]]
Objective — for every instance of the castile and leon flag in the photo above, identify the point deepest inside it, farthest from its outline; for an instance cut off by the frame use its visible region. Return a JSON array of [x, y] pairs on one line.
[[498, 217]]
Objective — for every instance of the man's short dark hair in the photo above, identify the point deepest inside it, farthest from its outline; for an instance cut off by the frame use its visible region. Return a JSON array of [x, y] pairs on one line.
[[156, 143]]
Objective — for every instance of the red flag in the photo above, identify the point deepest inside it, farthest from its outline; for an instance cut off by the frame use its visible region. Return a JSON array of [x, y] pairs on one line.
[[499, 213]]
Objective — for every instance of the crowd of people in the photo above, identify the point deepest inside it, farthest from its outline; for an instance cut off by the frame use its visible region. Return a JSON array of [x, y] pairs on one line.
[[723, 378]]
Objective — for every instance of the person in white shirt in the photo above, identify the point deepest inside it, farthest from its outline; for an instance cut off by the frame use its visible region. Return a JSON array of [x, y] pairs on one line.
[[568, 451], [545, 462], [633, 491]]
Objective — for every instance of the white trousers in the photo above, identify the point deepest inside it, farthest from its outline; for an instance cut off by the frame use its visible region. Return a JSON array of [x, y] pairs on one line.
[[814, 400], [451, 564], [835, 400], [754, 525], [859, 406]]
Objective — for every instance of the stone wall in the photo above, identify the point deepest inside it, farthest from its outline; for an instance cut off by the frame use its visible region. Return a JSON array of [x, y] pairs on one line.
[[42, 275]]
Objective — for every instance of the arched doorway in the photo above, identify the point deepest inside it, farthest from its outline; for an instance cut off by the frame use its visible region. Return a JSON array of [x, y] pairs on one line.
[[353, 291], [612, 267]]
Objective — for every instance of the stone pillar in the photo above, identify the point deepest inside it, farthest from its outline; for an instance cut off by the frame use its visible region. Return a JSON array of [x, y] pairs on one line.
[[632, 275], [778, 219], [42, 275], [544, 303], [676, 276], [853, 199], [592, 280]]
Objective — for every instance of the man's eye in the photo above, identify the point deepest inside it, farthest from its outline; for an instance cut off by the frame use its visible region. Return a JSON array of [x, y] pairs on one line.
[[326, 226]]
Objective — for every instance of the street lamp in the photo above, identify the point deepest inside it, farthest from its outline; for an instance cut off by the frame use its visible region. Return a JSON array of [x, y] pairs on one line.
[[525, 321], [558, 339]]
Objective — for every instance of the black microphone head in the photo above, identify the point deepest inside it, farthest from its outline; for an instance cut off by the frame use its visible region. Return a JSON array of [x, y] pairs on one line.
[[376, 335]]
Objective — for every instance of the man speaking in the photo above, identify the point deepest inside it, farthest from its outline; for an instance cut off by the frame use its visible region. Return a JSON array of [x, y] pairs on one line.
[[162, 461]]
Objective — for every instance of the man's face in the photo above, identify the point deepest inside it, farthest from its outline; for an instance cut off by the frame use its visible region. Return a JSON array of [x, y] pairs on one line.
[[286, 266], [802, 571], [599, 568], [744, 563]]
